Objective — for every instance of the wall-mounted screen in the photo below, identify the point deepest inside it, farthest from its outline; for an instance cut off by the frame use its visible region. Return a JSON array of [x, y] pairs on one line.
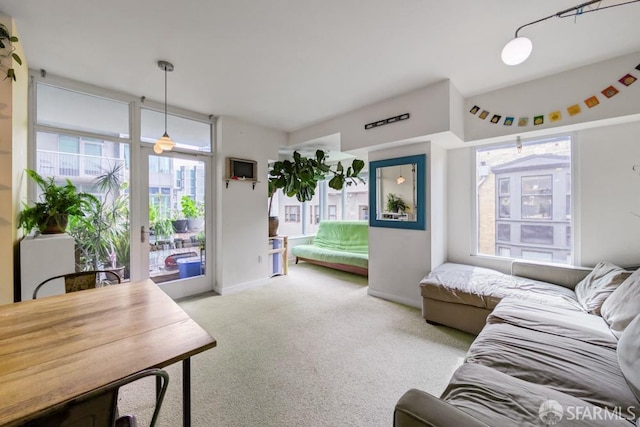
[[242, 169]]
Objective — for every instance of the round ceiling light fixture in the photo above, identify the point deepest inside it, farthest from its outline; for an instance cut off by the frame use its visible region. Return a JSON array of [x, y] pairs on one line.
[[517, 51]]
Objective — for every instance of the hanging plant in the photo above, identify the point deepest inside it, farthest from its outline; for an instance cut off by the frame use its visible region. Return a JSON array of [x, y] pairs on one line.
[[7, 50]]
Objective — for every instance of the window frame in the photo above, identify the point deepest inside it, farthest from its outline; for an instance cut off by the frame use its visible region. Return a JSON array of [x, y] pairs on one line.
[[574, 219]]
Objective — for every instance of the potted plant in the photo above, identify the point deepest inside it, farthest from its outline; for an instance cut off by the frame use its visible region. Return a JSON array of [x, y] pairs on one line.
[[8, 50], [102, 234], [395, 203], [180, 223], [51, 214], [193, 212], [299, 177]]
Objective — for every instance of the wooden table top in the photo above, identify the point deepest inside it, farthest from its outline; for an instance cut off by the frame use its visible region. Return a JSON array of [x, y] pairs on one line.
[[56, 348]]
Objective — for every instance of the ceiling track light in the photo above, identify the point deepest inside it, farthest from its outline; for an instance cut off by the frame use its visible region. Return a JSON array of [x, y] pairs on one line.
[[517, 50], [164, 143]]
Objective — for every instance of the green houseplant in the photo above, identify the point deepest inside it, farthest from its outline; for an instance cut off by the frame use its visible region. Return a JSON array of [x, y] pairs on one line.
[[58, 202], [8, 50], [193, 212], [395, 203], [299, 177], [100, 233]]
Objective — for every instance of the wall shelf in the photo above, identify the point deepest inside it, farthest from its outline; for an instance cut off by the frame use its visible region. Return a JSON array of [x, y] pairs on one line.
[[252, 181]]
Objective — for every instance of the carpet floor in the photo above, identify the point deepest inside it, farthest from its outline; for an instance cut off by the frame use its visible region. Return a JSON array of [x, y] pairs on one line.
[[307, 349]]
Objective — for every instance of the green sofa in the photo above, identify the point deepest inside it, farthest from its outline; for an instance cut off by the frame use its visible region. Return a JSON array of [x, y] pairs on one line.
[[343, 245]]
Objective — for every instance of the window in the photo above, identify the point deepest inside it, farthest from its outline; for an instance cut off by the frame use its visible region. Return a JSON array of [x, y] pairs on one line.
[[314, 214], [537, 196], [505, 252], [69, 159], [537, 255], [296, 218], [333, 212], [291, 213], [188, 134], [363, 212], [568, 199], [523, 199], [504, 232], [536, 234], [504, 198]]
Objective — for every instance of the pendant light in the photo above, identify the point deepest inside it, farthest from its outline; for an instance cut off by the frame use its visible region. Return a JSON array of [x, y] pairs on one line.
[[519, 48], [164, 143], [400, 179]]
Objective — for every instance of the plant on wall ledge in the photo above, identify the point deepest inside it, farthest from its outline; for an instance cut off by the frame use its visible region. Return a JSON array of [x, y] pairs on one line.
[[7, 50], [396, 203], [57, 203]]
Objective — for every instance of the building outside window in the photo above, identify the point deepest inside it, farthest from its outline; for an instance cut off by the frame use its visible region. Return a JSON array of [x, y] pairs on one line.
[[291, 213], [351, 203], [524, 200]]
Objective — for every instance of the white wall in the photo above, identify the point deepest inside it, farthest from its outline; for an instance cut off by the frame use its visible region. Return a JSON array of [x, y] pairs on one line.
[[608, 195], [241, 212], [557, 92], [13, 161], [399, 259], [436, 211], [430, 114]]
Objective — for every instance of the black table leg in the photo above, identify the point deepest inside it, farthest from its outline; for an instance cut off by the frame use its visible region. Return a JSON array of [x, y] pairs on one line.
[[186, 392]]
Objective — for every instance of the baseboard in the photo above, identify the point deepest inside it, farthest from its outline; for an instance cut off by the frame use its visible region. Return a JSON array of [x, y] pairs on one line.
[[226, 290], [390, 297]]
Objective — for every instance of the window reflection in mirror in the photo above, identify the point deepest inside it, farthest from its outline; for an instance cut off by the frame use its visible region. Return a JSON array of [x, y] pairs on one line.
[[397, 193]]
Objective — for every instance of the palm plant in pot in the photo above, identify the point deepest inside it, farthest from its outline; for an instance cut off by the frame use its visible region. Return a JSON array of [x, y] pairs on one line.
[[58, 203], [99, 233], [299, 177]]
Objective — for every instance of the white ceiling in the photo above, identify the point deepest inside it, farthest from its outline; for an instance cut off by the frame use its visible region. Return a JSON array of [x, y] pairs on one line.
[[291, 63]]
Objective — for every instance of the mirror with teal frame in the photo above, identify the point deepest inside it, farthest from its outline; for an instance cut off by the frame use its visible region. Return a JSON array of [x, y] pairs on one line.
[[397, 192]]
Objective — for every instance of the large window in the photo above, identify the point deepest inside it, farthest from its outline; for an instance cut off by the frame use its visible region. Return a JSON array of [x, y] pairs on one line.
[[296, 218], [85, 134], [523, 200]]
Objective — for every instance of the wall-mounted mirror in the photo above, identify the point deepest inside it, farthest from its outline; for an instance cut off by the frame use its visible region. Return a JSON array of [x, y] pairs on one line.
[[397, 192]]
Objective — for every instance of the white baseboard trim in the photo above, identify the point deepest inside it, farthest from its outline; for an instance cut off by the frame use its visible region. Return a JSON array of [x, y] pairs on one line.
[[384, 295], [226, 290]]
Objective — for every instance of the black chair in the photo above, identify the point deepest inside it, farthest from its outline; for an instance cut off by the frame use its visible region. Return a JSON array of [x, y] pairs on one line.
[[83, 280], [98, 408]]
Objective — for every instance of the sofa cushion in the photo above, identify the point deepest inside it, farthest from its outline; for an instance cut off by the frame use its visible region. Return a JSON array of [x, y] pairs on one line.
[[502, 400], [575, 324], [623, 305], [594, 289], [483, 287], [331, 255], [586, 371], [346, 236], [629, 355]]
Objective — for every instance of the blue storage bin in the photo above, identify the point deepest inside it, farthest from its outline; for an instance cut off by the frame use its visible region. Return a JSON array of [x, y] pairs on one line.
[[189, 267]]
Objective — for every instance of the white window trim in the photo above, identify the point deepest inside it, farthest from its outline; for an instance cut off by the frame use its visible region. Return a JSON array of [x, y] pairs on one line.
[[576, 232]]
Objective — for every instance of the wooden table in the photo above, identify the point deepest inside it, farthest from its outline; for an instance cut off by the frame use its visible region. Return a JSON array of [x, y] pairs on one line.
[[56, 348]]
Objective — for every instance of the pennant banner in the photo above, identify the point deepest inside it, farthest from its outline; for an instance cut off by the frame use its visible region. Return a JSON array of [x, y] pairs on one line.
[[555, 116]]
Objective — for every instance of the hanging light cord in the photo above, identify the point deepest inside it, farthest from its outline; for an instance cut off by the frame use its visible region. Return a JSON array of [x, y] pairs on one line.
[[165, 99], [577, 10]]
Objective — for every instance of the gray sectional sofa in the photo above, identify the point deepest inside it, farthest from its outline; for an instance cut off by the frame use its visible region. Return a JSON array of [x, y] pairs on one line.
[[559, 346]]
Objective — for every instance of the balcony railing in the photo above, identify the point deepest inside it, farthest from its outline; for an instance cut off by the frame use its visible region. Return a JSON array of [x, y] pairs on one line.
[[71, 165]]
